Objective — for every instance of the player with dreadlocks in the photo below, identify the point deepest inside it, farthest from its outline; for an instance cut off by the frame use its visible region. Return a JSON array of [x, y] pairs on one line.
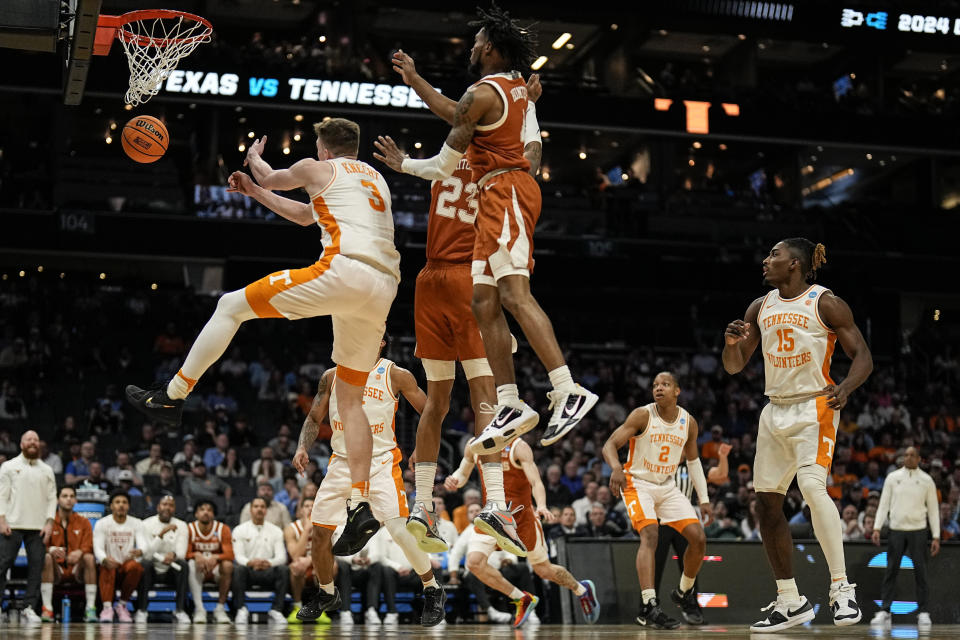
[[798, 325], [488, 127]]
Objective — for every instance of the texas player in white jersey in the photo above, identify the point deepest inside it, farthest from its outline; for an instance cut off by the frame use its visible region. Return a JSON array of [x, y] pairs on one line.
[[659, 435], [387, 499], [798, 325], [354, 282]]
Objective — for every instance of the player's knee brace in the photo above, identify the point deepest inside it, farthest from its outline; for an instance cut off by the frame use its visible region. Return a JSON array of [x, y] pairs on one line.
[[812, 480], [440, 370], [476, 368], [397, 528], [235, 305]]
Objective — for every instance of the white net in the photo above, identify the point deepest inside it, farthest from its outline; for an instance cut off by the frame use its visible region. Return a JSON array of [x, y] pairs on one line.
[[154, 46]]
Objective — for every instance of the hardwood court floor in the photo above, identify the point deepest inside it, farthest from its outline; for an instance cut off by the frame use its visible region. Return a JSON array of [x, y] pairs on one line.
[[460, 631]]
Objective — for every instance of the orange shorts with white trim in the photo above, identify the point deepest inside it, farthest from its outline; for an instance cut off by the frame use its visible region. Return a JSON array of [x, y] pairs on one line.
[[354, 294], [509, 207], [648, 502], [387, 496], [445, 326]]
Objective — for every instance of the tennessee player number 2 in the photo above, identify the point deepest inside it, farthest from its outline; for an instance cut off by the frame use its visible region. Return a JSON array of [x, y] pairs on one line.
[[450, 191], [375, 199], [664, 454]]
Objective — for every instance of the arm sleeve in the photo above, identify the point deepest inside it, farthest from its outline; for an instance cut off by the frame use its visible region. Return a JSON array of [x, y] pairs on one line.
[[884, 505], [226, 542], [933, 510], [180, 542], [99, 542], [279, 550], [531, 128], [695, 468], [438, 167]]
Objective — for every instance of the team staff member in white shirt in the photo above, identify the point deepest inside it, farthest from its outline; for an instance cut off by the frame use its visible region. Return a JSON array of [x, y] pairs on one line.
[[115, 548], [909, 502], [163, 540], [28, 502], [260, 559]]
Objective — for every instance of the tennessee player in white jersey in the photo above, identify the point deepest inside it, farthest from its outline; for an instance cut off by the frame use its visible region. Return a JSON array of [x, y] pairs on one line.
[[659, 435], [388, 500], [354, 282], [797, 325]]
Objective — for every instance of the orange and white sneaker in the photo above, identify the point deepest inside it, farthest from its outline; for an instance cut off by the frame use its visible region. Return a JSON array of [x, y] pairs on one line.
[[46, 615], [525, 608], [502, 526]]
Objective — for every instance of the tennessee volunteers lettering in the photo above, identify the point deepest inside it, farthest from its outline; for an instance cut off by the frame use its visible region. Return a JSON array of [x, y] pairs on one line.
[[373, 392], [667, 437], [665, 469], [337, 425], [789, 362], [796, 319]]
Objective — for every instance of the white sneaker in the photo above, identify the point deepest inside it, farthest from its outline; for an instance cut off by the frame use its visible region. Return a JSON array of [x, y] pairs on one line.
[[200, 616], [532, 618], [783, 615], [242, 617], [140, 617], [569, 407], [923, 620], [495, 615], [181, 617], [29, 616], [843, 603], [881, 619], [508, 424], [276, 617], [346, 618], [391, 618], [220, 615], [370, 616]]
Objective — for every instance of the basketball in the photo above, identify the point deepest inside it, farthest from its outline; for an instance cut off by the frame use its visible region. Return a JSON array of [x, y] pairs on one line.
[[144, 139]]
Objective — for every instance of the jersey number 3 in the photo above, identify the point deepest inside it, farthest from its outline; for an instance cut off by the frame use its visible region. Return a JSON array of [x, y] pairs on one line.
[[450, 191], [375, 199]]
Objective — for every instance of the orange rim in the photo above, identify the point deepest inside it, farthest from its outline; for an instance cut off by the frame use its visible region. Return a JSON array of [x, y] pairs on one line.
[[119, 22]]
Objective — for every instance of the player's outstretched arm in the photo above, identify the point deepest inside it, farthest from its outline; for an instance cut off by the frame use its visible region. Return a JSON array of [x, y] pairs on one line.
[[741, 338], [311, 424], [297, 212], [438, 103], [720, 474], [634, 425], [405, 384], [279, 179], [837, 314]]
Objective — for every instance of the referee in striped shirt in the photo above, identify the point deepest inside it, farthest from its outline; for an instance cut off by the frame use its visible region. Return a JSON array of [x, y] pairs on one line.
[[669, 537]]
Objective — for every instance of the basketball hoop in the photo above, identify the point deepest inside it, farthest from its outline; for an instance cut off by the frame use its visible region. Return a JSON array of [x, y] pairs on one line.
[[154, 41]]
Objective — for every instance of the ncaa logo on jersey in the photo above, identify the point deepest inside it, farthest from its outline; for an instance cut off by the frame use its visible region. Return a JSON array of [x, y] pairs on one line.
[[683, 421], [813, 294], [381, 370]]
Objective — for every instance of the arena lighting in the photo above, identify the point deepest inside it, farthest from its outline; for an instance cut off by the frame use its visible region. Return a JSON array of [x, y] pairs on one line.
[[936, 315], [569, 45], [730, 108], [826, 182], [286, 151], [108, 139], [583, 155], [322, 39], [40, 269], [544, 133], [741, 36], [614, 26], [624, 177], [128, 107], [417, 145], [298, 117], [696, 144], [869, 156], [22, 273], [153, 287], [539, 62], [296, 137], [691, 162], [722, 147], [62, 275], [113, 125], [103, 276], [250, 134], [562, 40], [242, 148]]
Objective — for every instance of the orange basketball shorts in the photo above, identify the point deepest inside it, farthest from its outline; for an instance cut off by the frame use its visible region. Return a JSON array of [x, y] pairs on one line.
[[509, 207], [445, 326]]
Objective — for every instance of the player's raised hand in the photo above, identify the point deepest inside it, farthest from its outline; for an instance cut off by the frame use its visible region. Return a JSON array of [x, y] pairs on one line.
[[256, 149], [724, 450], [737, 331], [300, 460], [534, 89], [240, 182], [617, 480], [390, 153], [403, 64]]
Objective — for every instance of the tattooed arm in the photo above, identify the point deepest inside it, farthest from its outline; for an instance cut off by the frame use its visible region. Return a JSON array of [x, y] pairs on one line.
[[311, 424]]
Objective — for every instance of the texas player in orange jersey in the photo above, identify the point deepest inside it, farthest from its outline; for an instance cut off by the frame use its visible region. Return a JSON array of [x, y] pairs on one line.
[[488, 126], [445, 325], [210, 559], [523, 488]]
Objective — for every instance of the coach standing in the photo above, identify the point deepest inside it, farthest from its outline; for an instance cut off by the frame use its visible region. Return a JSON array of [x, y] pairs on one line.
[[910, 497], [28, 503]]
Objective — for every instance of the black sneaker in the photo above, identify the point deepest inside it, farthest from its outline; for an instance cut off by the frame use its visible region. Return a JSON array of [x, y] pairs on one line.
[[323, 601], [651, 615], [569, 408], [434, 606], [783, 615], [689, 606], [156, 404], [360, 527]]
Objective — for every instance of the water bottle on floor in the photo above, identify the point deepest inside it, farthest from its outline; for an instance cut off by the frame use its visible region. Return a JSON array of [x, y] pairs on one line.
[[65, 610]]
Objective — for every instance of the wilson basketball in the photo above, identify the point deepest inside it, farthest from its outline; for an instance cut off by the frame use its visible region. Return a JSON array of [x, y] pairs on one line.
[[144, 139]]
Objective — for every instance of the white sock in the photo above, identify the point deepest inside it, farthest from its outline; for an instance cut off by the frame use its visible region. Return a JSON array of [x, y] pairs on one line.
[[580, 590], [686, 582], [90, 591], [516, 594], [508, 394], [493, 483], [787, 589], [46, 594], [432, 583], [232, 310], [426, 473], [648, 594], [327, 588], [561, 379]]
